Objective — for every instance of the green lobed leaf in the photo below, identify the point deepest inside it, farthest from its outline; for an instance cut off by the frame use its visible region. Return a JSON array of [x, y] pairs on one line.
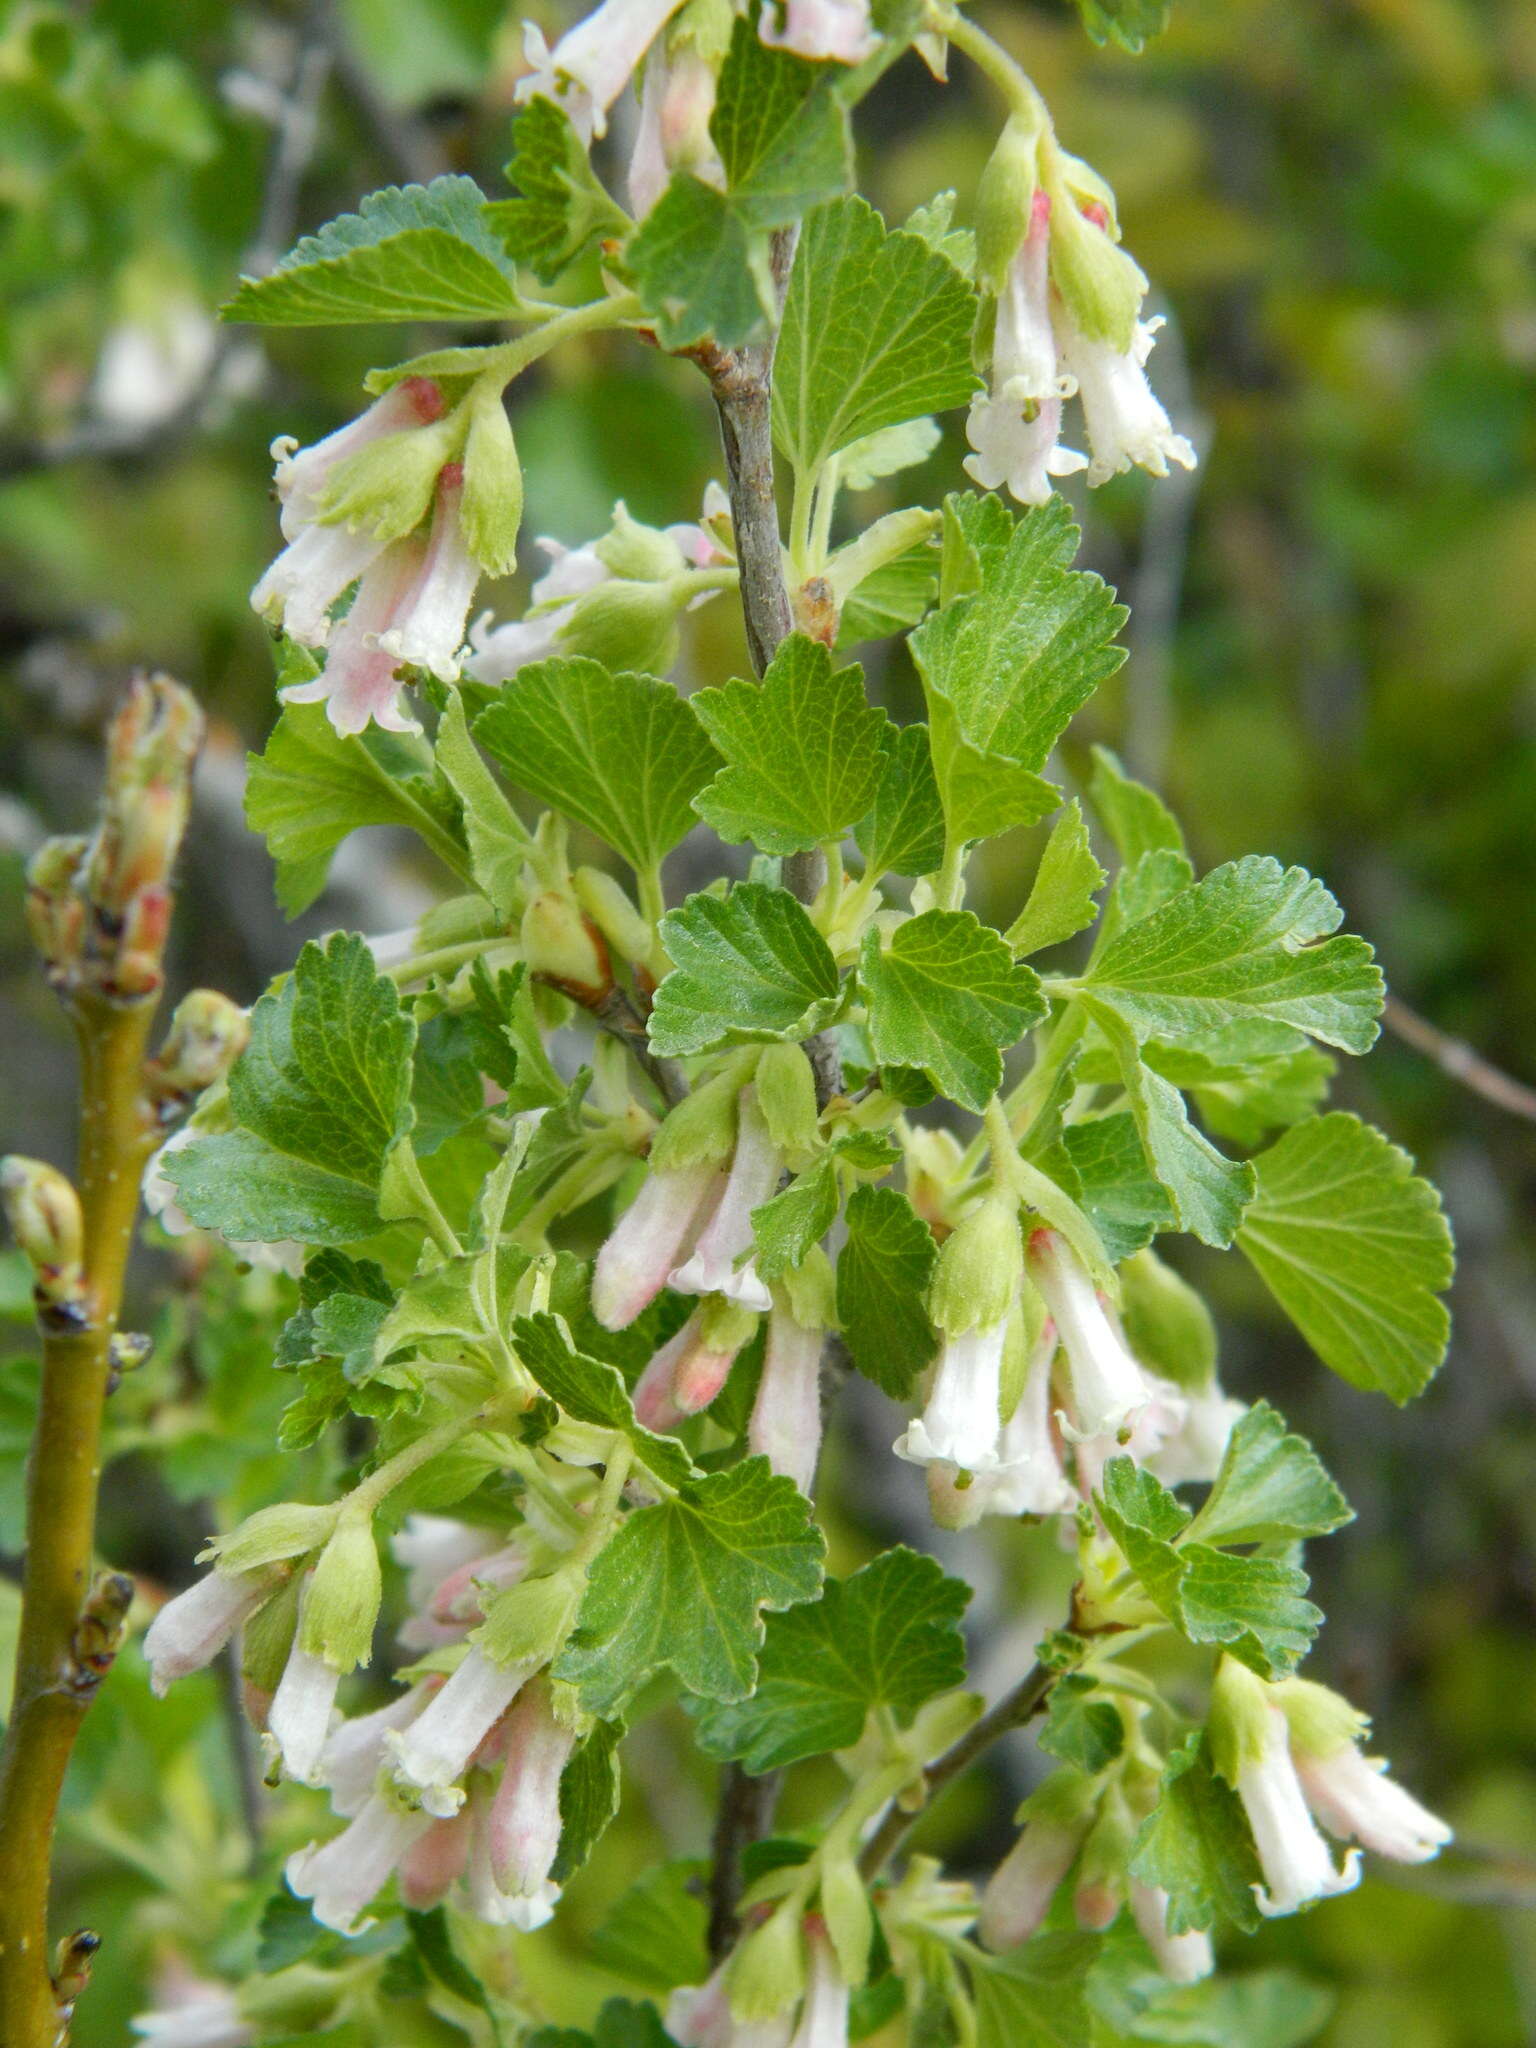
[[1118, 1194], [656, 1932], [589, 1797], [311, 786], [797, 1218], [876, 331], [1195, 1844], [418, 252], [1356, 1249], [1135, 817], [904, 831], [1061, 896], [1035, 1996], [562, 207], [946, 995], [890, 599], [319, 1096], [1130, 23], [683, 1585], [1271, 1487], [621, 754], [1264, 2009], [1246, 940], [750, 966], [802, 751], [1081, 1726], [889, 1637], [591, 1391], [883, 1272]]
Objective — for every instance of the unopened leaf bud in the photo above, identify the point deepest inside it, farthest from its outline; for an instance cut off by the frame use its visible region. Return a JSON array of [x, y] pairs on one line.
[[43, 1211], [288, 1529], [208, 1034], [146, 925], [565, 948], [767, 1972], [625, 625], [151, 746], [979, 1267], [786, 1095], [491, 509], [607, 904], [1004, 198], [55, 906], [341, 1607]]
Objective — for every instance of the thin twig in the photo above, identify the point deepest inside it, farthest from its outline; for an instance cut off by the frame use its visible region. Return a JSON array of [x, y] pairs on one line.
[[1012, 1711], [744, 1815], [1461, 1061], [617, 1015]]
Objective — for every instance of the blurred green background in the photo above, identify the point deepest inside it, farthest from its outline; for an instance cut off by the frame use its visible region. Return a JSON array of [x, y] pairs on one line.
[[1333, 659]]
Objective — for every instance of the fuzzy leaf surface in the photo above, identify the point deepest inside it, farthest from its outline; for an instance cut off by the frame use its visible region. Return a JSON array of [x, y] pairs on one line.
[[750, 966], [904, 831], [591, 1391], [883, 1272], [562, 207], [1195, 1844], [947, 996]]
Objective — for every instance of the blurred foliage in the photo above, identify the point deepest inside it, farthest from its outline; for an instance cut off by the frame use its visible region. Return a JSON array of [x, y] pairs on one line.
[[1333, 658]]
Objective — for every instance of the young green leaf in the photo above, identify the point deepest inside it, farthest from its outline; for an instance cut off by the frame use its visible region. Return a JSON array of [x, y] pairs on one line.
[[750, 966], [563, 207], [1035, 1994], [945, 995], [1118, 1194], [1271, 1488], [589, 1797], [883, 1272], [1196, 1847], [683, 1585], [1131, 24], [797, 1218], [590, 1391], [1061, 896], [876, 331], [904, 832], [498, 839], [889, 1636], [319, 1096], [1247, 940], [802, 751], [1135, 817], [1081, 1726], [1356, 1250], [421, 252], [312, 786], [621, 754], [655, 1934]]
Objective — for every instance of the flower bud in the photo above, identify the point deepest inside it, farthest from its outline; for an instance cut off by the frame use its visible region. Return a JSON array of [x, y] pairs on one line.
[[271, 1535], [1020, 1890], [386, 488], [625, 625], [1101, 1875], [1004, 198], [208, 1034], [1166, 1323], [786, 1095], [491, 509], [524, 1823], [43, 1211], [607, 904], [190, 1630], [341, 1607], [635, 552], [767, 1973], [978, 1269], [565, 948]]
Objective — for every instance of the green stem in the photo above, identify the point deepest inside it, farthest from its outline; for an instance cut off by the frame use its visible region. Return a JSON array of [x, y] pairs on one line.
[[950, 886], [513, 357], [691, 583], [800, 510], [439, 1229], [444, 958], [821, 530], [989, 56], [368, 1493]]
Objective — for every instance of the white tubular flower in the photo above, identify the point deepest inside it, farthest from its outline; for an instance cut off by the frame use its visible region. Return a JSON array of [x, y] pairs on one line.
[[786, 1416], [1109, 1388], [212, 2020], [756, 1165], [500, 651], [1018, 448], [428, 630], [1182, 1958], [1294, 1857], [648, 1240], [1194, 1449], [1019, 1892], [431, 1755], [593, 62], [430, 1548], [960, 1425], [1030, 1479], [459, 1601], [1152, 1429], [307, 578], [676, 103], [483, 1896], [824, 2015], [341, 1876], [435, 1863], [190, 1630], [1349, 1792], [358, 685], [835, 30], [523, 1827], [1127, 427], [302, 475], [354, 1752], [299, 1719]]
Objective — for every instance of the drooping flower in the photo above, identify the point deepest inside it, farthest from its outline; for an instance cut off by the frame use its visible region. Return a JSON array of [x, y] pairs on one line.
[[824, 2014], [1108, 1387], [191, 1629], [786, 1416], [208, 2017], [721, 1261], [355, 1750], [523, 1827], [689, 1370], [1183, 1958], [961, 1424], [303, 475], [1019, 1892], [499, 651], [699, 2016], [484, 1895], [342, 1876], [1127, 426], [593, 62], [435, 1862], [430, 1757], [299, 1718], [1194, 1449], [676, 102], [1029, 1479], [837, 30], [1014, 426], [359, 684], [648, 1240], [1349, 1792]]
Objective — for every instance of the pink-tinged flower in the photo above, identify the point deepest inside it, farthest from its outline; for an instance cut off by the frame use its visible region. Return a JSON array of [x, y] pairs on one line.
[[1295, 1859], [683, 1377], [1127, 427], [1018, 1894], [593, 62], [435, 1862], [429, 633], [500, 651], [524, 1822], [358, 685], [786, 1416], [459, 1601], [648, 1240], [836, 30], [429, 1548], [699, 2016], [722, 1261], [315, 569], [1357, 1802], [483, 1896], [303, 475], [355, 1750], [1195, 1447], [1029, 1479], [824, 2015], [207, 2016], [340, 1877], [190, 1630], [960, 1423], [431, 1755], [1182, 1958], [299, 1718], [1109, 1388], [676, 102]]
